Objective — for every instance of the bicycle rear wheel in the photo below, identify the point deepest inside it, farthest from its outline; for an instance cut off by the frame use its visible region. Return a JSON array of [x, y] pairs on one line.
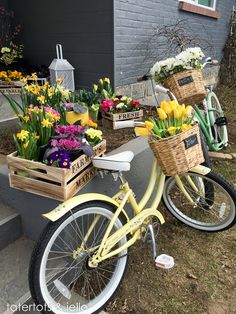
[[60, 278], [215, 201], [219, 129]]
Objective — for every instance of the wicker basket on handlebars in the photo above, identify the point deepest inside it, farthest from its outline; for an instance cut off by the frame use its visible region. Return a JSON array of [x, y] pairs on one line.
[[179, 153], [187, 86]]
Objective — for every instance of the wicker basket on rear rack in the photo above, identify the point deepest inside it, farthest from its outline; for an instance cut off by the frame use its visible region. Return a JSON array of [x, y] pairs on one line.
[[187, 86], [179, 153]]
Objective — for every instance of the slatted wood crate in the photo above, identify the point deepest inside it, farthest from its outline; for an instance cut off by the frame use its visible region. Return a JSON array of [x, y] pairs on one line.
[[109, 118], [56, 183]]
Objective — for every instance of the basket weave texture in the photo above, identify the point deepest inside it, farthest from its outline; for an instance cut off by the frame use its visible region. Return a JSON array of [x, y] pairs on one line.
[[172, 154], [187, 86]]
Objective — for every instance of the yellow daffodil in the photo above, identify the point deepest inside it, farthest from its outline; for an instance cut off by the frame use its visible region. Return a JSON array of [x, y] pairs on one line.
[[141, 131], [101, 81], [22, 135], [172, 130], [165, 105], [186, 127], [41, 99], [161, 113], [95, 87], [26, 145], [60, 80], [46, 123], [34, 76], [26, 118], [149, 125]]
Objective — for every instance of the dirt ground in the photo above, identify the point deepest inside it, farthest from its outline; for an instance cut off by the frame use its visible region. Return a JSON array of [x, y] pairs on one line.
[[204, 277]]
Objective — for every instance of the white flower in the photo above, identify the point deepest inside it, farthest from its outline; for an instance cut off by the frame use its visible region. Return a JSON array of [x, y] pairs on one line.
[[155, 69], [121, 105]]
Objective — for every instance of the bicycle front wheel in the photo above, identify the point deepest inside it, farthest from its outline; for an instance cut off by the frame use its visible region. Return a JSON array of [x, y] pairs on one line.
[[214, 207], [219, 130], [60, 278]]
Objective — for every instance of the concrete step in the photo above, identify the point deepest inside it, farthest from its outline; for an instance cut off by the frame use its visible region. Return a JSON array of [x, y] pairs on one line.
[[14, 264], [10, 225]]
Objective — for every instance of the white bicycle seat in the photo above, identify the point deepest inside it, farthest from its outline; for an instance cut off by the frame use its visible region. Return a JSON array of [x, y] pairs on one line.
[[117, 162]]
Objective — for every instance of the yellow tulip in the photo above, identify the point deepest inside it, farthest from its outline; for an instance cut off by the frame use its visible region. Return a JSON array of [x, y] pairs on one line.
[[166, 107], [141, 131], [187, 111], [161, 113], [173, 104], [172, 130], [177, 113], [106, 79], [186, 127], [149, 125]]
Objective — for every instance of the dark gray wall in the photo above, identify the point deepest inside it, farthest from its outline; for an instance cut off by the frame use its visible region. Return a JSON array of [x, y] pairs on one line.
[[136, 20], [84, 28]]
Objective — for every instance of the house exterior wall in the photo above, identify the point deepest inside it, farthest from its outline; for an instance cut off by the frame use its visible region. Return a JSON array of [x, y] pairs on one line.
[[84, 28], [136, 20]]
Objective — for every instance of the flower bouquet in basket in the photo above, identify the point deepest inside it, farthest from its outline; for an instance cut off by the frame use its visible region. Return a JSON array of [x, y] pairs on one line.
[[174, 138], [182, 75]]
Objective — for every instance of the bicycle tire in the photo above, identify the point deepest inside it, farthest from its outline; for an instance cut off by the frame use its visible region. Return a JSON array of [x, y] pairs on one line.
[[222, 132], [38, 286], [223, 216]]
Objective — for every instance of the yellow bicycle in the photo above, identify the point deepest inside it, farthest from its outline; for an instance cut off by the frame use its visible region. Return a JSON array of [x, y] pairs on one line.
[[81, 256]]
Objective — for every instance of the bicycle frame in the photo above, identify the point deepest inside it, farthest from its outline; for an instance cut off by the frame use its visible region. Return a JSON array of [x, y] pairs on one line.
[[133, 226], [206, 124]]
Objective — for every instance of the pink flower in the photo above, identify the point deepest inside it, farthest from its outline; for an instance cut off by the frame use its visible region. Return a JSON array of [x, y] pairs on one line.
[[70, 130], [107, 104], [66, 144]]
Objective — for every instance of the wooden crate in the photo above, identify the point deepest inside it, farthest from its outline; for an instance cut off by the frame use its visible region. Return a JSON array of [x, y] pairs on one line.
[[109, 118], [57, 183]]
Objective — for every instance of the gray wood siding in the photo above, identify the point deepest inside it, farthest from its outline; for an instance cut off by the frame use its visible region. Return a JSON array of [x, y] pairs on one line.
[[135, 21], [84, 28]]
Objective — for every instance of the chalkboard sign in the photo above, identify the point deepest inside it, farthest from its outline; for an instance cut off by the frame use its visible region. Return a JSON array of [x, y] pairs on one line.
[[185, 80], [191, 141]]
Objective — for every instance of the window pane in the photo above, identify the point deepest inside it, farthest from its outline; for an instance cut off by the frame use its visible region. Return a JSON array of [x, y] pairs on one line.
[[208, 3]]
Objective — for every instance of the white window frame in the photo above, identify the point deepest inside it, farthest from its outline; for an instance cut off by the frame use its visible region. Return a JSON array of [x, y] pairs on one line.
[[195, 2]]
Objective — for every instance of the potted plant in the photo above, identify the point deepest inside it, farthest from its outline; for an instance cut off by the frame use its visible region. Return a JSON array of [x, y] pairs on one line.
[[174, 138], [182, 75], [120, 108], [91, 99]]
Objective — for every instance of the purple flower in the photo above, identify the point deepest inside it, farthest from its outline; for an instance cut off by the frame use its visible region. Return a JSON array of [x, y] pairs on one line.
[[59, 159]]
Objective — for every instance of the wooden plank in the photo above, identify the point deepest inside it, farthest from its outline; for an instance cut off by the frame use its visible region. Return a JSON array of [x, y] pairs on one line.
[[37, 187], [219, 155], [123, 116], [79, 182], [83, 161]]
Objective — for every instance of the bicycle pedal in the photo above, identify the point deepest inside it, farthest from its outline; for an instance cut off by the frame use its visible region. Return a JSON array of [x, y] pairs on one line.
[[220, 121], [164, 261]]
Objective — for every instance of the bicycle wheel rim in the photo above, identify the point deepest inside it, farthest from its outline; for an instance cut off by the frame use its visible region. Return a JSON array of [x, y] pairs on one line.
[[98, 302], [180, 213]]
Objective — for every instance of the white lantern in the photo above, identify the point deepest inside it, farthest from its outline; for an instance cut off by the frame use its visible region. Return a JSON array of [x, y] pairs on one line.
[[61, 68]]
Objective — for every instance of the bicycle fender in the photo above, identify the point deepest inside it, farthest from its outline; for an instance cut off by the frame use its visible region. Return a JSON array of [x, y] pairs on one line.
[[65, 207], [200, 170]]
